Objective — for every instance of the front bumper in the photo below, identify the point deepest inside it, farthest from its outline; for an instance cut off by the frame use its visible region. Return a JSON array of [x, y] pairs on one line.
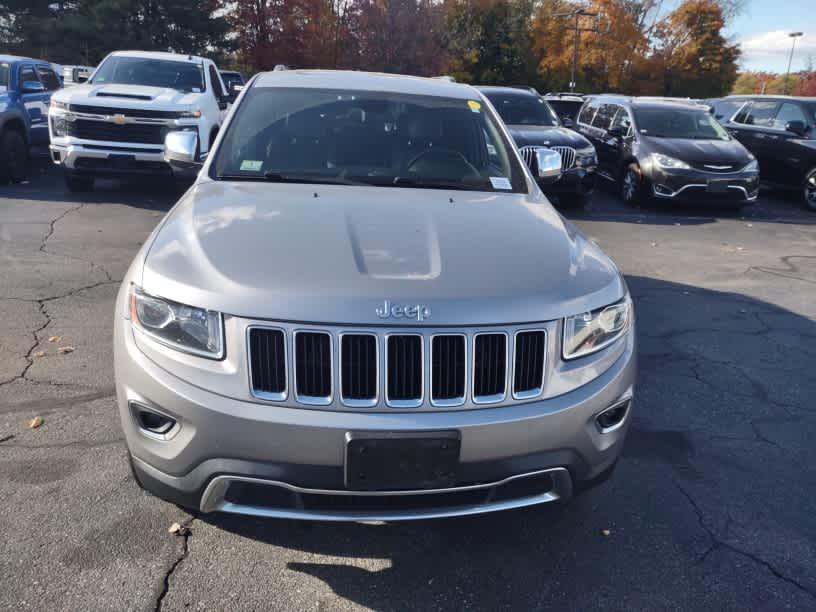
[[699, 186], [107, 158], [251, 458], [580, 181]]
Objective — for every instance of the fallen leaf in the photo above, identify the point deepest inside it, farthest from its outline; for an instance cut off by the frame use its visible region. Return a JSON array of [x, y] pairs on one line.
[[39, 354], [750, 225], [654, 244], [65, 349], [35, 422], [54, 338], [606, 532], [178, 529]]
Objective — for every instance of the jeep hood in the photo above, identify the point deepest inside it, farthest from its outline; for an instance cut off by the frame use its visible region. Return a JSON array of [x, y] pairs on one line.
[[127, 96], [333, 254]]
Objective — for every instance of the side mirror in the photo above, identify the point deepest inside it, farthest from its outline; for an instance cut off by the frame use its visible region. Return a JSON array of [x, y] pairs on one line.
[[33, 87], [567, 121], [181, 152], [81, 78], [548, 165], [796, 127]]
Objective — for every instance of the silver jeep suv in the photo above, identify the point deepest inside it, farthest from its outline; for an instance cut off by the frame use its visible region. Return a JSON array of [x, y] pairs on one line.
[[365, 309]]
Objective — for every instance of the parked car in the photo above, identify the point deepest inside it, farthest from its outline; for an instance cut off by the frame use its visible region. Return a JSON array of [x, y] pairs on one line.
[[233, 82], [668, 151], [366, 309], [116, 123], [533, 123], [781, 132], [26, 86], [566, 106], [75, 75]]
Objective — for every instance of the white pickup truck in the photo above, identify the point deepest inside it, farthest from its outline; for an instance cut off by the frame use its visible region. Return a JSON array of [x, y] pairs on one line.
[[115, 124]]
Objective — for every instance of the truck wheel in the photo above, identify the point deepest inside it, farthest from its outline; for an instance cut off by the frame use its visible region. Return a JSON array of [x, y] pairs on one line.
[[810, 190], [13, 157], [79, 184]]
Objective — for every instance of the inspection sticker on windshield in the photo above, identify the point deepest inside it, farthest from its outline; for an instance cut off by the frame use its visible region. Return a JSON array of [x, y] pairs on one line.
[[474, 106], [500, 182], [251, 165]]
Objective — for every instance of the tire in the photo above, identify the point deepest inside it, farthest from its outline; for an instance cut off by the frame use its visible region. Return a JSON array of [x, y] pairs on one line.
[[79, 184], [632, 190], [809, 190], [13, 157]]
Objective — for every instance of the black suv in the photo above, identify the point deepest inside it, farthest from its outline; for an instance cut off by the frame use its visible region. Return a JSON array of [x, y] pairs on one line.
[[781, 132], [533, 123], [668, 151]]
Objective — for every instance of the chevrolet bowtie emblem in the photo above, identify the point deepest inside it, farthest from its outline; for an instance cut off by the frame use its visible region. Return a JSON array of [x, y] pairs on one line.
[[118, 119]]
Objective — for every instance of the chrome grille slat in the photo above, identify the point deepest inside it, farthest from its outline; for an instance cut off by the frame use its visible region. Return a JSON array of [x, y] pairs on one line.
[[567, 157], [376, 368]]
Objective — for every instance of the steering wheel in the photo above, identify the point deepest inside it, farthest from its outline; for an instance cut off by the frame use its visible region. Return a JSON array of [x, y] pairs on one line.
[[442, 163]]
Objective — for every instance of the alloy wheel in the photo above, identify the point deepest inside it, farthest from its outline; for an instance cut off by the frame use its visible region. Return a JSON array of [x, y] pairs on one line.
[[630, 185], [810, 191]]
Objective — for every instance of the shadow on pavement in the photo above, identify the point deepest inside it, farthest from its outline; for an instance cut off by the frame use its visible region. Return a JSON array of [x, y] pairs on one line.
[[710, 492]]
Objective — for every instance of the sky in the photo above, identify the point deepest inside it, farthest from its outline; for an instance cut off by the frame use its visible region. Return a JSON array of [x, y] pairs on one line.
[[762, 30]]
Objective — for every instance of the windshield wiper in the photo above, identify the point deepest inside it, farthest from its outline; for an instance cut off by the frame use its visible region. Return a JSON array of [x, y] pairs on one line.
[[421, 183], [277, 177]]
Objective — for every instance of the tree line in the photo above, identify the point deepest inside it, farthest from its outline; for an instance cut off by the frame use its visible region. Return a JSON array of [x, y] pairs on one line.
[[629, 46]]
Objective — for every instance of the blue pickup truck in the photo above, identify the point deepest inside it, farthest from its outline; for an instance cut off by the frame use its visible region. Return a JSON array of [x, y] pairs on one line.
[[26, 86]]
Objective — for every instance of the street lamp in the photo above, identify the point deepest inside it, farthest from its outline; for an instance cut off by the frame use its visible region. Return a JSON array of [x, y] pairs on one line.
[[794, 36]]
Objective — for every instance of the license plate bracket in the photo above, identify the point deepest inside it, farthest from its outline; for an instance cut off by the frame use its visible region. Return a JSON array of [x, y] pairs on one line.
[[717, 186], [392, 461]]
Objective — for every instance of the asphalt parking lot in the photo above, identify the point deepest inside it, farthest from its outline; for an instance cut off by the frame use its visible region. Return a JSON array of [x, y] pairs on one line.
[[712, 505]]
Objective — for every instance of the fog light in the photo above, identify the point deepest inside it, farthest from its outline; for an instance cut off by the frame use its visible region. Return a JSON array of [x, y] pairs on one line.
[[151, 422], [662, 190], [611, 418]]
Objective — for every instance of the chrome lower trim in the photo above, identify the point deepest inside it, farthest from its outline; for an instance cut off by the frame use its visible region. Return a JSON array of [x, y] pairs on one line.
[[674, 194], [69, 153], [214, 499]]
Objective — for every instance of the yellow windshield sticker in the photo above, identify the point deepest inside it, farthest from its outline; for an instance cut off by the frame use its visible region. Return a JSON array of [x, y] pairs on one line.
[[474, 106]]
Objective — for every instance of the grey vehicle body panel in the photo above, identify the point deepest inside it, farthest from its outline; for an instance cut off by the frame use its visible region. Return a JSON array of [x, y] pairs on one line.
[[298, 256]]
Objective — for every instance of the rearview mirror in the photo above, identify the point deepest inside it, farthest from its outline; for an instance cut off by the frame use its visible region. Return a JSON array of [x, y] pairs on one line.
[[181, 152], [796, 127], [548, 165], [33, 87]]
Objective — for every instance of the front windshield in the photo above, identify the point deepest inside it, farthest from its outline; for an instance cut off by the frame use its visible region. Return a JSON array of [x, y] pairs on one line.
[[689, 123], [183, 76], [5, 69], [366, 137], [522, 110]]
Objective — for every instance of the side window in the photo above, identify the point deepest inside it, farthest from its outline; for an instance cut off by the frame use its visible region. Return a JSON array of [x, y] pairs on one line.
[[587, 113], [216, 83], [604, 116], [786, 113], [622, 121], [723, 111], [48, 78], [759, 113], [27, 74]]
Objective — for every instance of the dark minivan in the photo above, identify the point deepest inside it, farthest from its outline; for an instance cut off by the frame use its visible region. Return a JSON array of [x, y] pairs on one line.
[[781, 132], [671, 151]]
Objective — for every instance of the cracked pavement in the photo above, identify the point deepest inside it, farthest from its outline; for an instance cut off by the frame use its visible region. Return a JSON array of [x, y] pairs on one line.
[[712, 505]]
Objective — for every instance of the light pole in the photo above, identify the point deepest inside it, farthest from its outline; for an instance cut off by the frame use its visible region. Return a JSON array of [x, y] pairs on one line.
[[794, 36], [577, 14]]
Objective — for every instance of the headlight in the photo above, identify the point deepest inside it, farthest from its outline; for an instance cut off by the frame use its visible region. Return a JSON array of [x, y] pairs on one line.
[[56, 105], [664, 161], [753, 166], [591, 331], [190, 114], [185, 328]]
